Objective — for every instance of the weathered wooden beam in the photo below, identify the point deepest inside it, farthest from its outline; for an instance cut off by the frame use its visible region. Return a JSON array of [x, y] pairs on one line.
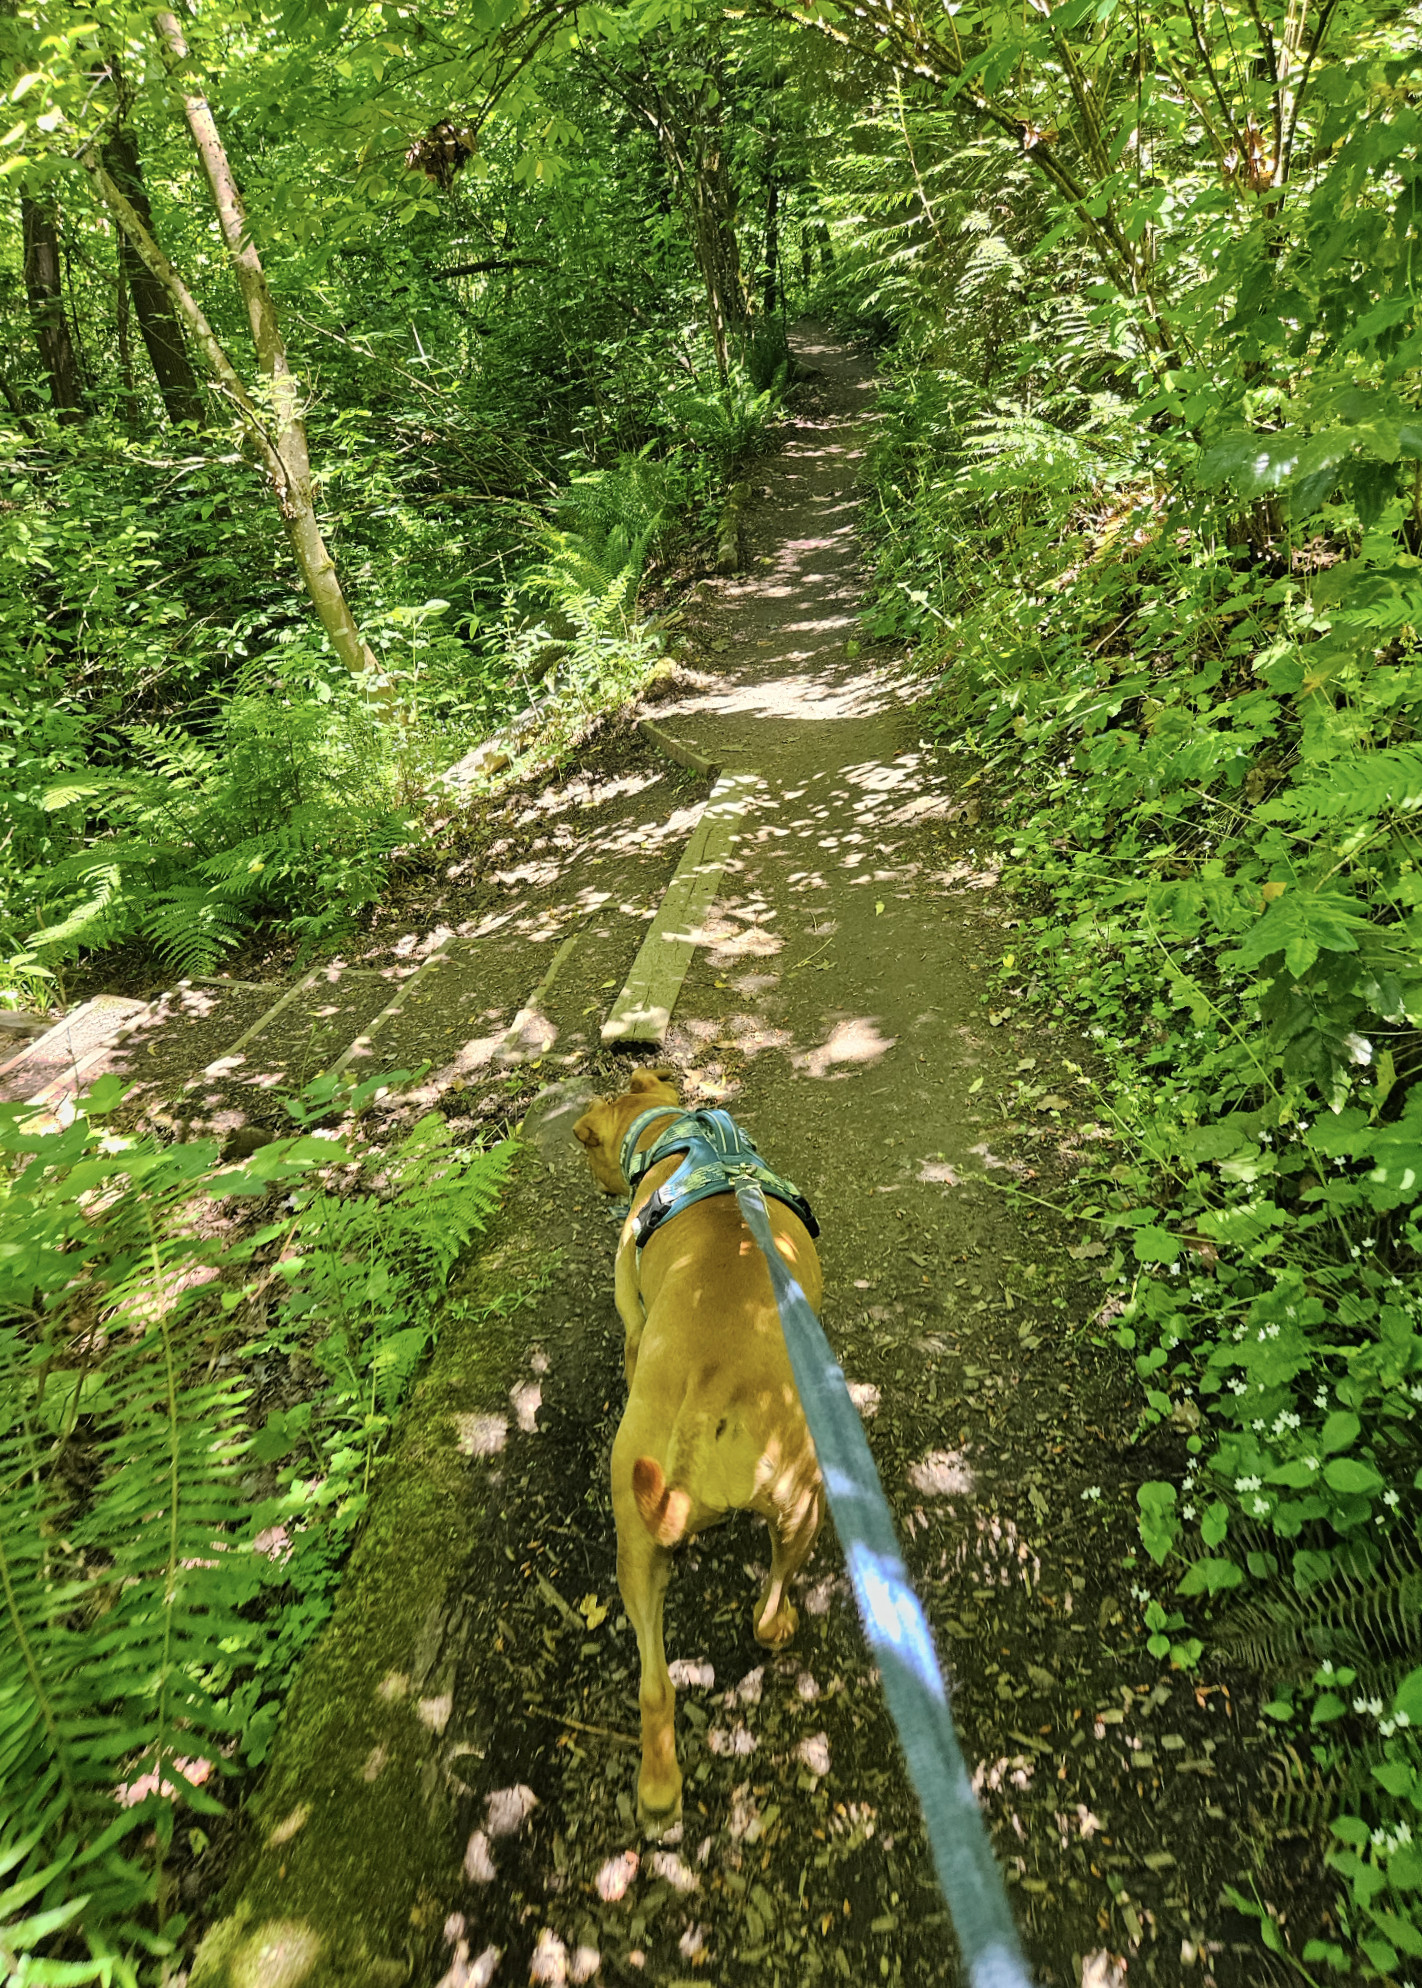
[[643, 1010], [365, 1040], [677, 749], [512, 1045], [52, 1066]]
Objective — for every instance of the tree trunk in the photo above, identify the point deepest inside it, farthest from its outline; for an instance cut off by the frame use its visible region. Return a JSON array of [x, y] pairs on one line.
[[772, 248], [132, 413], [314, 562], [717, 249], [157, 318], [46, 300], [285, 448]]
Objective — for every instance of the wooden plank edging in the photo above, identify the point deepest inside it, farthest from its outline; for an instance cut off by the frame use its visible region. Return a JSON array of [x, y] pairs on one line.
[[643, 1010], [511, 1041], [439, 957], [677, 749]]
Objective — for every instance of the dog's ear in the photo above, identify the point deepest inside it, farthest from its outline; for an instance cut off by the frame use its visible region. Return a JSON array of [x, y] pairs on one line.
[[586, 1133], [650, 1080]]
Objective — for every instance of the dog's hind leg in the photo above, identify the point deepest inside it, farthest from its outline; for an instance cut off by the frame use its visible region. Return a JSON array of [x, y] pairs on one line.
[[792, 1540], [642, 1570]]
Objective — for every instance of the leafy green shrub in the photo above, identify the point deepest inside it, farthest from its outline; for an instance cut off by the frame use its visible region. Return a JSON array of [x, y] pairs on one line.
[[726, 423], [1185, 634], [606, 523], [150, 1618], [281, 816], [767, 356]]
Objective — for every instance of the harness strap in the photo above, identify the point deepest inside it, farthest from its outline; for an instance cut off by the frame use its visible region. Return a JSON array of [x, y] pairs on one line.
[[897, 1633], [717, 1155]]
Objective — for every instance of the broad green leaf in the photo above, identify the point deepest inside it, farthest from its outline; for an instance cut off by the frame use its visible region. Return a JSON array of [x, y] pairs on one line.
[[1210, 1576], [1354, 1479], [1340, 1431]]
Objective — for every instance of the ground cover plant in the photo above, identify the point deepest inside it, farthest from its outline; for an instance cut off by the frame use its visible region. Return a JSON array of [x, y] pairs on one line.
[[1176, 605], [199, 1365]]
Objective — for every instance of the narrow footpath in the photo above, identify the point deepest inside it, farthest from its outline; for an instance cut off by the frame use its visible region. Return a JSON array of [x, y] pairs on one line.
[[836, 1008], [451, 1805]]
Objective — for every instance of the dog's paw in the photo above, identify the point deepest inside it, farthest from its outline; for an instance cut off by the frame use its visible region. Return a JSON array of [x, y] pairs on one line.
[[655, 1822], [780, 1628]]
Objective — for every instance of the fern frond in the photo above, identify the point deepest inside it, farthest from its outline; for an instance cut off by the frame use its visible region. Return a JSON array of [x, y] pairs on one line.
[[1382, 782], [91, 922], [1369, 1619], [192, 926]]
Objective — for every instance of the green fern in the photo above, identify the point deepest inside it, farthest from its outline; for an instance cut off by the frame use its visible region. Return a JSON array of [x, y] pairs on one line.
[[126, 1572], [204, 839], [1369, 1618], [191, 927], [1386, 781], [115, 1598]]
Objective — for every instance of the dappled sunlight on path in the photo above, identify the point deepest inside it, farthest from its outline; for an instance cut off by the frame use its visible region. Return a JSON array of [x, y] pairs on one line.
[[833, 1002]]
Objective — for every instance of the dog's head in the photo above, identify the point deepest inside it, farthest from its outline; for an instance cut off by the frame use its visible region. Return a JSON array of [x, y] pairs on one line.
[[603, 1126]]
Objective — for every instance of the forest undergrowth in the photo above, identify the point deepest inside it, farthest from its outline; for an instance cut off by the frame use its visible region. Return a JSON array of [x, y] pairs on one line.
[[200, 1364], [1177, 633], [367, 374]]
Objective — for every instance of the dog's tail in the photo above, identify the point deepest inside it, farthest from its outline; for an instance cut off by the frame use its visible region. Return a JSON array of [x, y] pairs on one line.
[[665, 1508]]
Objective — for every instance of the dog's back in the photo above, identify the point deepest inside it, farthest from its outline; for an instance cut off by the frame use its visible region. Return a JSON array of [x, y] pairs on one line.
[[713, 1394]]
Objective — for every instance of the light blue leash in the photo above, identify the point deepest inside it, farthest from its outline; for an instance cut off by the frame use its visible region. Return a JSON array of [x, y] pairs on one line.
[[897, 1632]]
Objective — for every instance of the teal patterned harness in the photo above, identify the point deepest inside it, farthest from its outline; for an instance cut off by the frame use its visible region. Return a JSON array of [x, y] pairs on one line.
[[719, 1158]]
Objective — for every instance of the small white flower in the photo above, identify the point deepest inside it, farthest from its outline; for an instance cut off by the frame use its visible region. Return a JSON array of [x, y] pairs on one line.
[[1238, 1387], [1391, 1498], [1248, 1483], [1320, 1400], [1187, 1511], [1261, 1508], [1092, 1492], [1257, 1423]]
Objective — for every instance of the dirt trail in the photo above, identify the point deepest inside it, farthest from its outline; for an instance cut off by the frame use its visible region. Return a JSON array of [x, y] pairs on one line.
[[837, 1011]]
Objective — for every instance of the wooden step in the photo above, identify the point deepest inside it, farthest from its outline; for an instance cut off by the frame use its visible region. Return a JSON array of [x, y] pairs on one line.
[[57, 1065], [529, 1034], [364, 1044], [643, 1010]]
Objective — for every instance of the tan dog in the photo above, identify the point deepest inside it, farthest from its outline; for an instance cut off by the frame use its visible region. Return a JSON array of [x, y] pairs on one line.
[[713, 1423]]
